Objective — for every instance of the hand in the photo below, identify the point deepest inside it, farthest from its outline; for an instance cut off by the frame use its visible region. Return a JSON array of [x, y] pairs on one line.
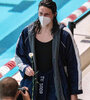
[[25, 95], [29, 71], [74, 97]]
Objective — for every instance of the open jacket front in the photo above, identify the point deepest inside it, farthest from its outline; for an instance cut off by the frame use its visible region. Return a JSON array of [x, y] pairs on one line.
[[65, 59]]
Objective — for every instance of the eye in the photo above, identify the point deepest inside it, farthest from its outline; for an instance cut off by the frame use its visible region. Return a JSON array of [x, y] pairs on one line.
[[46, 14], [40, 13]]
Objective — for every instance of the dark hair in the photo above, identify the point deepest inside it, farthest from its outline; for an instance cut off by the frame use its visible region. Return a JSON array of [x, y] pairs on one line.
[[8, 87], [51, 5]]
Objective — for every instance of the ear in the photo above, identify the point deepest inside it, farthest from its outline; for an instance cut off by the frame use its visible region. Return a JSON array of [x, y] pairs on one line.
[[55, 14], [17, 94]]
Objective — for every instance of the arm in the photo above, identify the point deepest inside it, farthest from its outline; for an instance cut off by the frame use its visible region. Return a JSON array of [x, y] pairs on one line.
[[73, 66], [22, 58]]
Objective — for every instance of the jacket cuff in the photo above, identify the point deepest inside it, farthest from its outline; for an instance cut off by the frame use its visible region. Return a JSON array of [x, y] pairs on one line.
[[76, 92], [23, 73]]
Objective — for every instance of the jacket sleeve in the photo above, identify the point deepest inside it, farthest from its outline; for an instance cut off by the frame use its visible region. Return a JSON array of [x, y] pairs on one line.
[[22, 52], [73, 64]]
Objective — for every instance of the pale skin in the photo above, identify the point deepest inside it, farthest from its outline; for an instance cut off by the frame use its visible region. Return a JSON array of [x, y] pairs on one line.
[[46, 33]]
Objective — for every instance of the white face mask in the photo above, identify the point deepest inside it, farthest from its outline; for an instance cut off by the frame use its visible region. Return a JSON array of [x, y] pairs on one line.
[[44, 20]]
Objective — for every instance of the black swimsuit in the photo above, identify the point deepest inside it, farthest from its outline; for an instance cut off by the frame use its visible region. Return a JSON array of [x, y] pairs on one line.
[[43, 55], [46, 90]]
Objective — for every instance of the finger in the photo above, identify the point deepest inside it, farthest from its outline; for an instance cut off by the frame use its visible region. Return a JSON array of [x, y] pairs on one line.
[[29, 69], [25, 88], [29, 72], [26, 73], [32, 72], [21, 92]]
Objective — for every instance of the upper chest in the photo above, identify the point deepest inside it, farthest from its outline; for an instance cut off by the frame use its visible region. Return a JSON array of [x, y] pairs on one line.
[[44, 37]]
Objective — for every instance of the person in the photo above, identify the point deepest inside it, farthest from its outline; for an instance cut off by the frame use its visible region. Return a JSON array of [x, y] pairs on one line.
[[9, 90], [56, 63]]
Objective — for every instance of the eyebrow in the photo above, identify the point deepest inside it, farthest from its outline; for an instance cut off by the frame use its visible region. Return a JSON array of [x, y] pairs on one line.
[[44, 13]]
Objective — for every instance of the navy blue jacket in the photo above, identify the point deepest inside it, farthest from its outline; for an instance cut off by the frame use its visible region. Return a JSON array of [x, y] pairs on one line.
[[67, 60]]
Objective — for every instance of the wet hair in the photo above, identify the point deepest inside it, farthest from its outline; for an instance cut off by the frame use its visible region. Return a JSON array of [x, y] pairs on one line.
[[51, 5], [8, 87]]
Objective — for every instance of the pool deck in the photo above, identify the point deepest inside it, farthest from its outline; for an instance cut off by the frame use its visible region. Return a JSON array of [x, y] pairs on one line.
[[82, 38], [85, 84]]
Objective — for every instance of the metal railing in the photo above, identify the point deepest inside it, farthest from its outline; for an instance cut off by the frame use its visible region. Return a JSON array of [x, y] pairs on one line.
[[72, 25]]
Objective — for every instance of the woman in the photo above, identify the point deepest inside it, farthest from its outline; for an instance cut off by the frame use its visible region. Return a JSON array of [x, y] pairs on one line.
[[55, 57]]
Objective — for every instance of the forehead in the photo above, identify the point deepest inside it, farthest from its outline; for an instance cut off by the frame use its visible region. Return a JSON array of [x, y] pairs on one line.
[[44, 9]]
